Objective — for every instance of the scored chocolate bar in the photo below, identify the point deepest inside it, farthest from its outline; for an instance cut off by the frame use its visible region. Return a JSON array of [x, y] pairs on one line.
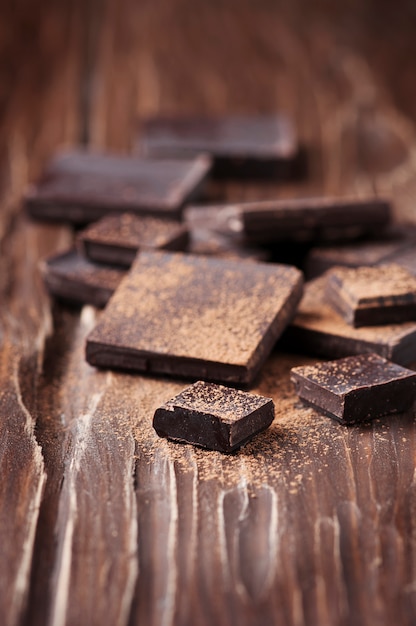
[[213, 416], [73, 278], [318, 329], [194, 316], [242, 146], [117, 238], [81, 187], [305, 219], [371, 296], [357, 388]]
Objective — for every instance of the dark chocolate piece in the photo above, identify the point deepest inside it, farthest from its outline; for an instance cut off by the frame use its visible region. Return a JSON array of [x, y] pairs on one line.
[[195, 316], [73, 278], [305, 219], [371, 296], [318, 329], [248, 147], [116, 239], [395, 242], [357, 388], [82, 187], [213, 416]]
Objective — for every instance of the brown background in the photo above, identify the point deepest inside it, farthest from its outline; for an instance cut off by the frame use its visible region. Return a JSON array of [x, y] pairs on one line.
[[101, 523]]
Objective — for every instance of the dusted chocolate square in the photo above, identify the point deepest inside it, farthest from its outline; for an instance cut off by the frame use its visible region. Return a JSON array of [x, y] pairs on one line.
[[194, 316], [214, 417], [242, 146], [74, 278], [117, 238], [81, 187], [305, 219], [318, 329], [357, 388], [371, 296]]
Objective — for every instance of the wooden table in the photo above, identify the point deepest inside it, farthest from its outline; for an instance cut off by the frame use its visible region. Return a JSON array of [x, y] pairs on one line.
[[101, 522]]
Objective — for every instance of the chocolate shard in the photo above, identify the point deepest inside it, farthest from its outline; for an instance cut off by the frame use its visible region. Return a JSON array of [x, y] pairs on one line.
[[318, 329], [357, 388], [197, 317], [81, 187], [71, 277], [116, 239], [213, 416], [305, 219], [372, 296], [241, 146]]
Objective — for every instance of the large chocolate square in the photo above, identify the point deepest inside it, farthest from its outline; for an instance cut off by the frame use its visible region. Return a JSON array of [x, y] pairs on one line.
[[242, 146], [81, 187], [318, 329], [357, 388], [213, 416], [196, 317]]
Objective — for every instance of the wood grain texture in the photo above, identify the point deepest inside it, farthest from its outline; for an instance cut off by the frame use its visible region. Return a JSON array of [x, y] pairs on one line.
[[100, 520]]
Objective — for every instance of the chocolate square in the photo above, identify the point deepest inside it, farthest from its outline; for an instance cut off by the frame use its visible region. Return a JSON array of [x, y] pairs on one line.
[[318, 329], [305, 219], [371, 296], [116, 239], [357, 388], [198, 317], [73, 278], [81, 187], [242, 146], [213, 416]]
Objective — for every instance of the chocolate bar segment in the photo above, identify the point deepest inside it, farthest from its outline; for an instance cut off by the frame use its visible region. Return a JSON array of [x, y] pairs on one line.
[[306, 219], [197, 317], [371, 296], [242, 146], [73, 278], [357, 388], [81, 187], [116, 239], [213, 416], [318, 329]]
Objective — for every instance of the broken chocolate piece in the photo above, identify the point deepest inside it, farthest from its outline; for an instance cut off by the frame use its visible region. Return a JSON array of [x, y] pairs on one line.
[[213, 416], [194, 316], [248, 147], [305, 219], [81, 187], [371, 296], [318, 329], [73, 278], [116, 239], [357, 388], [396, 241]]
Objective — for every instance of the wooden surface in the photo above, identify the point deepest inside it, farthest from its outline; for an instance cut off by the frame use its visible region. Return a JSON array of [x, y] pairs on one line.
[[100, 521]]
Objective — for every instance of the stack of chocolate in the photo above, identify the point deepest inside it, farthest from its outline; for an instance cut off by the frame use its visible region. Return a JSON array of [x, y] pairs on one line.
[[187, 299]]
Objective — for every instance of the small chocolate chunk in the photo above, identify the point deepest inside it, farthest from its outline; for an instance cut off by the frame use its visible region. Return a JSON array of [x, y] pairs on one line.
[[81, 187], [213, 416], [357, 388], [195, 316], [371, 296], [306, 219], [318, 329], [116, 239], [73, 278], [242, 147]]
